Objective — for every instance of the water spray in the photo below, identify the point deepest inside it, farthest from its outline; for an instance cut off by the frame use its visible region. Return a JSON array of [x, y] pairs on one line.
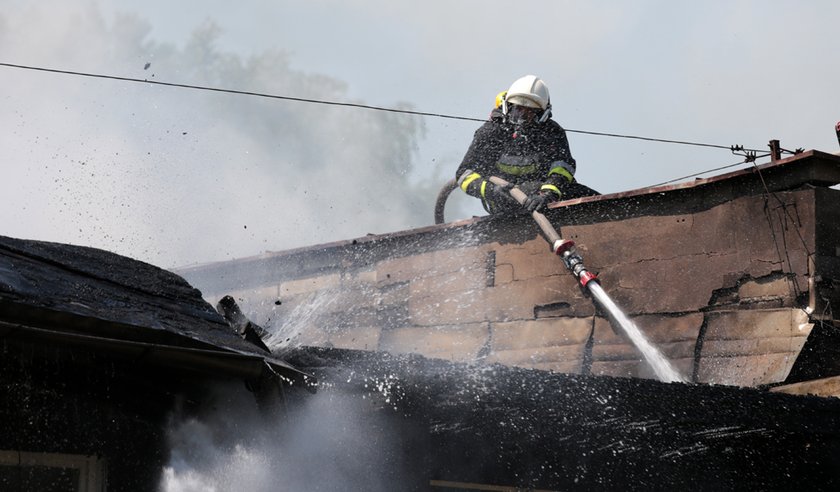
[[565, 249]]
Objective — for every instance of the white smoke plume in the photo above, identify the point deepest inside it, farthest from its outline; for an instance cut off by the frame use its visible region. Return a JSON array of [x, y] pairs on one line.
[[328, 442], [176, 176]]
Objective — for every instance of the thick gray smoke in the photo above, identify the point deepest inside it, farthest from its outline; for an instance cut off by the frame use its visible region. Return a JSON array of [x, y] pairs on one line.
[[175, 176], [329, 442]]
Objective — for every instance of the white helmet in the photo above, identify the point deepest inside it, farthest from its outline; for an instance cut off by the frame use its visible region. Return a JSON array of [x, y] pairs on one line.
[[531, 92]]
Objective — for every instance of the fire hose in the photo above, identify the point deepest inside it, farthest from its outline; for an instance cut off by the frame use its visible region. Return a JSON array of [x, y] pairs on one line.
[[565, 249], [440, 203]]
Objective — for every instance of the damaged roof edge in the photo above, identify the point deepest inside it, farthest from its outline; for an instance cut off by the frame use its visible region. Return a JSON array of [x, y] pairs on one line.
[[821, 169], [202, 361], [808, 167]]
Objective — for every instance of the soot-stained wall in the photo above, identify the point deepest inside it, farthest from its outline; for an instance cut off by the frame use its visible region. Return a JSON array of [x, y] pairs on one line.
[[723, 283]]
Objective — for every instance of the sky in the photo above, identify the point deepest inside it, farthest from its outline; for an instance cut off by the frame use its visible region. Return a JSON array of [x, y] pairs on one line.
[[176, 177]]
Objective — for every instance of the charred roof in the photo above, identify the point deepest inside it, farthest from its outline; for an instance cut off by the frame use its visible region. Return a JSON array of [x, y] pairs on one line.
[[72, 295]]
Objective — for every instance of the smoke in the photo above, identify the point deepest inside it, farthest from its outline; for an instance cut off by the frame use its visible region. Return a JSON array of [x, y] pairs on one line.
[[174, 176], [328, 442]]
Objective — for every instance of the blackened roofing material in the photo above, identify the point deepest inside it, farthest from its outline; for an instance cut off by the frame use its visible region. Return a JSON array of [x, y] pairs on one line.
[[84, 292], [527, 428]]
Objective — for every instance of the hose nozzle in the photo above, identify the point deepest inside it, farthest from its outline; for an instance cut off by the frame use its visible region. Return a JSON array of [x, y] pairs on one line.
[[562, 245], [565, 249]]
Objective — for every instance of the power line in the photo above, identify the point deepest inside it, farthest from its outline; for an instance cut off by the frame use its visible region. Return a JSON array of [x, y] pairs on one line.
[[650, 139], [232, 91], [697, 174], [338, 103]]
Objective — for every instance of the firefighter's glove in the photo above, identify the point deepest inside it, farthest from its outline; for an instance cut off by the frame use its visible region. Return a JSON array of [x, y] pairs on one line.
[[501, 194], [537, 202]]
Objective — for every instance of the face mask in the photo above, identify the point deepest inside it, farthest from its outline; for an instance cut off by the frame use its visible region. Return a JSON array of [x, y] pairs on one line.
[[522, 115]]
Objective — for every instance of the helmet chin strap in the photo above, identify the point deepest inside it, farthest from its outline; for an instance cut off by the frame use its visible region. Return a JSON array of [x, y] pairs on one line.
[[546, 114]]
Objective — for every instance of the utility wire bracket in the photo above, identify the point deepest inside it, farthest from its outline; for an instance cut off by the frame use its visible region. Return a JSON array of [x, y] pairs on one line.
[[748, 155], [776, 150], [794, 151]]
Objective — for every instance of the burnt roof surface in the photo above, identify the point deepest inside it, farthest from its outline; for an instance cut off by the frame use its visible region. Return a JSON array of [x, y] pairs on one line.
[[540, 430], [87, 292]]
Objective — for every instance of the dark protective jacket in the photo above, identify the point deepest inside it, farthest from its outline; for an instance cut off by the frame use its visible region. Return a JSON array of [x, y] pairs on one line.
[[537, 158]]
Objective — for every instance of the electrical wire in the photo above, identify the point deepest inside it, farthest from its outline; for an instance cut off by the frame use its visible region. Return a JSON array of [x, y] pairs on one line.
[[697, 174], [338, 103], [791, 276], [783, 206], [651, 139], [237, 92]]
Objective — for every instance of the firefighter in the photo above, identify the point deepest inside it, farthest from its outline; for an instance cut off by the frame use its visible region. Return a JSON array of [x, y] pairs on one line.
[[522, 145]]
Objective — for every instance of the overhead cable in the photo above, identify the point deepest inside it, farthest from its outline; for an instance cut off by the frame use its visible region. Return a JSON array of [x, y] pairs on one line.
[[338, 103], [230, 91], [650, 139], [697, 174]]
